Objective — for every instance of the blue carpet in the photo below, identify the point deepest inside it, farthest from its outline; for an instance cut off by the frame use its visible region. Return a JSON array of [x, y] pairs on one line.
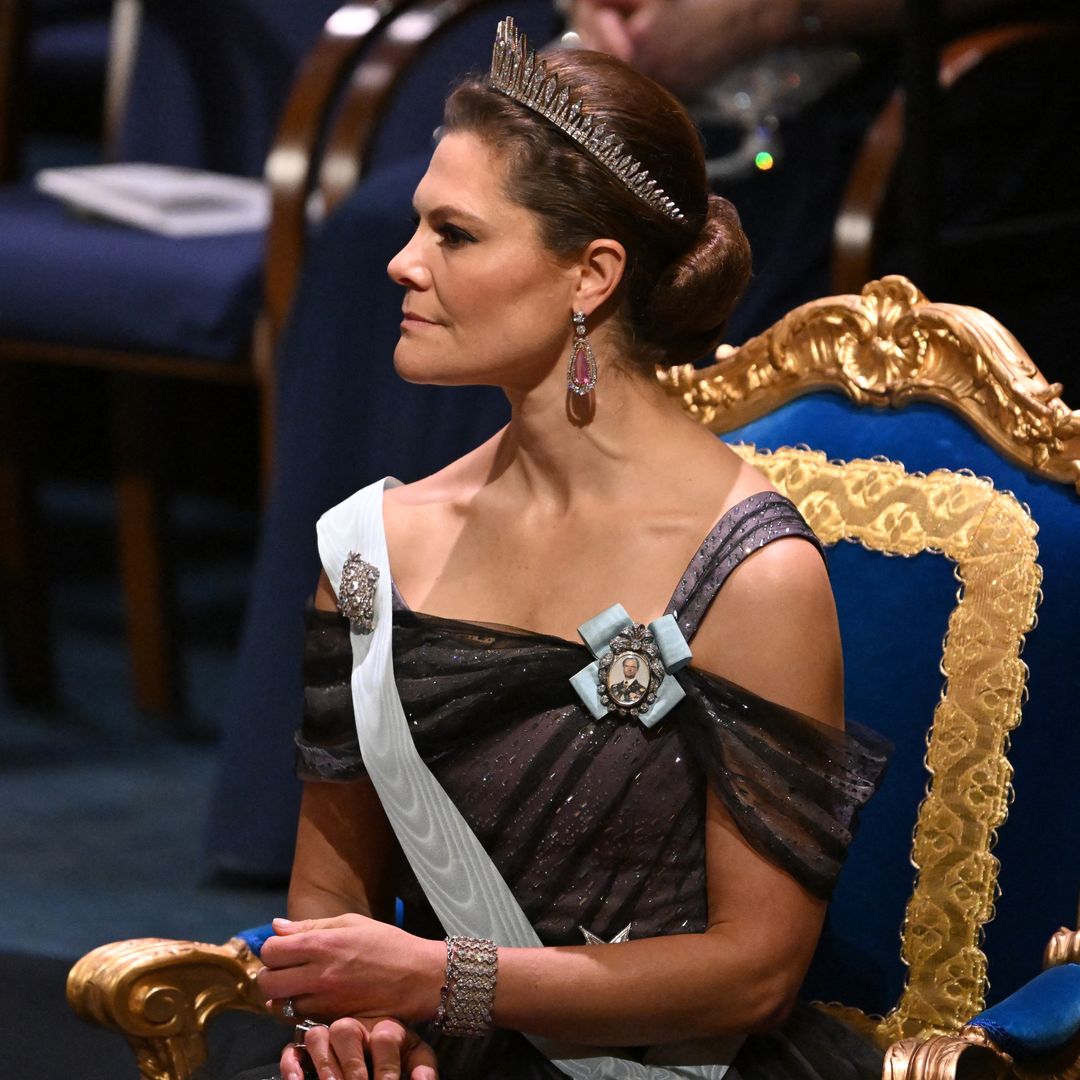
[[104, 809], [96, 850]]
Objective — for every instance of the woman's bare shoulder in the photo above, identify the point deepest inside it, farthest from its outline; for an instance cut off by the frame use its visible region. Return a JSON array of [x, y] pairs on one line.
[[453, 484], [724, 478]]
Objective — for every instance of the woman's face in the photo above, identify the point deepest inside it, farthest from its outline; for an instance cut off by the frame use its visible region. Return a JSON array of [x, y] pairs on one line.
[[485, 301]]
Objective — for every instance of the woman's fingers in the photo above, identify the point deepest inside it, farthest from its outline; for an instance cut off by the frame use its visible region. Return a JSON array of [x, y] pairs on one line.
[[293, 950], [291, 1063], [348, 1038], [419, 1062], [284, 927], [389, 1042], [281, 983], [290, 1010], [287, 927], [319, 1047], [351, 1049]]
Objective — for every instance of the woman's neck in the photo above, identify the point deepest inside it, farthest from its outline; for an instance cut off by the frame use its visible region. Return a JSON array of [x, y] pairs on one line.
[[563, 449]]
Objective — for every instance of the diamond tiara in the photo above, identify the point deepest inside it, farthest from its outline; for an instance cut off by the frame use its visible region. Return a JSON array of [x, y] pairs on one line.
[[520, 74]]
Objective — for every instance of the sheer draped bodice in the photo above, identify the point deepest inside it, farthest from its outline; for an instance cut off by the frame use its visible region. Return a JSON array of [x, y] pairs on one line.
[[600, 823]]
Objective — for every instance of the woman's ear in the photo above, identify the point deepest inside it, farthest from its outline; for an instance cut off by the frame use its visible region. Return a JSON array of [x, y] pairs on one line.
[[600, 268]]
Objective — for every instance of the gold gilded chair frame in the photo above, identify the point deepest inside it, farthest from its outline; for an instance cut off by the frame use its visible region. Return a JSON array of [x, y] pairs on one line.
[[887, 347], [990, 538], [161, 994]]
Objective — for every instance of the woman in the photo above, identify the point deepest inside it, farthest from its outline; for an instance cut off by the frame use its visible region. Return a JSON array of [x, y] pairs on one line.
[[699, 821]]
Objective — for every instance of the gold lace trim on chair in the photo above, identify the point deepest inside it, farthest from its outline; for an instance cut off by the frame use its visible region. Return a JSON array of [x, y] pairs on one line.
[[991, 539]]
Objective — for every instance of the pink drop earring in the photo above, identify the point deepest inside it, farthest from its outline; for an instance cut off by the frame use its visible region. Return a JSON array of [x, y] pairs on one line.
[[581, 371]]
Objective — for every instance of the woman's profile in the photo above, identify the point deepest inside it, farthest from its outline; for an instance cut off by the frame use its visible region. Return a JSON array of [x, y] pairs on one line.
[[613, 804]]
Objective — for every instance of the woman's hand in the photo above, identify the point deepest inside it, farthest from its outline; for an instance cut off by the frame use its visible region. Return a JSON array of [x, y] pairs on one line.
[[352, 966], [685, 45], [601, 25], [356, 1048]]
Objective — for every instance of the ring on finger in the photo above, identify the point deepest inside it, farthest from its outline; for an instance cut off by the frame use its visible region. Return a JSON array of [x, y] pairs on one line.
[[301, 1030]]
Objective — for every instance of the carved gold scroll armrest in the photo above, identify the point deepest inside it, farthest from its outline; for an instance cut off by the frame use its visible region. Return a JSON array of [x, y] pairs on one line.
[[947, 1057], [972, 1054], [1064, 948], [160, 994]]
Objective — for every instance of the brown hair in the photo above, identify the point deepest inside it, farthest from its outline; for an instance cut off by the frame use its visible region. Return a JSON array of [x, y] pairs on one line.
[[682, 278]]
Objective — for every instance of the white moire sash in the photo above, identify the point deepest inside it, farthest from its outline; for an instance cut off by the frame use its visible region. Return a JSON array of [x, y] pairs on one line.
[[466, 891]]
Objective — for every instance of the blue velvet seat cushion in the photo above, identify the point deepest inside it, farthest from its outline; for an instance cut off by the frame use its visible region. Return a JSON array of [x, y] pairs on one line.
[[256, 937], [78, 281], [1039, 1018]]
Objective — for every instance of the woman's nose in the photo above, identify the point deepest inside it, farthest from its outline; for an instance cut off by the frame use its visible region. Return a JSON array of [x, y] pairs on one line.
[[406, 267]]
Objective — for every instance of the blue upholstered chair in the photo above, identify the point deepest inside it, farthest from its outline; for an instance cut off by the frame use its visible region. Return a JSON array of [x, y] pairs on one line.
[[933, 386], [890, 349], [942, 482], [203, 84]]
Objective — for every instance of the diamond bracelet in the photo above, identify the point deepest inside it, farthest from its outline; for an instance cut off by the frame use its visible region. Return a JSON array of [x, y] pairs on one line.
[[468, 991]]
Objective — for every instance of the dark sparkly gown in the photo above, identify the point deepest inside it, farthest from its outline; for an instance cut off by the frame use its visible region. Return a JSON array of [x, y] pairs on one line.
[[600, 823]]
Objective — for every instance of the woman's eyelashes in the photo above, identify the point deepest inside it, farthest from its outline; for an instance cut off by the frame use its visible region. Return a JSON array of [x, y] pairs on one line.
[[452, 236]]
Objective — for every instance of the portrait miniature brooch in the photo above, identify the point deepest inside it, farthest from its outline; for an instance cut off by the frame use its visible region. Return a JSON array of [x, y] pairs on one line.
[[633, 673], [356, 593]]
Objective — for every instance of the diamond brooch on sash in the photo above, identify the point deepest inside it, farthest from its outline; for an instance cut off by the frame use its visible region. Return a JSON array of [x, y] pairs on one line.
[[356, 593]]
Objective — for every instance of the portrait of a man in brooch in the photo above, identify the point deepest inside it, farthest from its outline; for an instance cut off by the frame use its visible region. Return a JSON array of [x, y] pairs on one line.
[[632, 688]]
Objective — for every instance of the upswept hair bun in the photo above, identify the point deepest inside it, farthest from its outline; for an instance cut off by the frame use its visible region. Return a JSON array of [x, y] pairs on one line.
[[685, 313], [682, 278]]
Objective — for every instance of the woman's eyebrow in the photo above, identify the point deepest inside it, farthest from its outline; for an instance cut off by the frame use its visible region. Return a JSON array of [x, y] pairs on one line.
[[447, 212]]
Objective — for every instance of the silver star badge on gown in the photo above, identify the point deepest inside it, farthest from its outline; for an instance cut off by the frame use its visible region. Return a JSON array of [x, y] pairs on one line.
[[618, 939], [356, 593]]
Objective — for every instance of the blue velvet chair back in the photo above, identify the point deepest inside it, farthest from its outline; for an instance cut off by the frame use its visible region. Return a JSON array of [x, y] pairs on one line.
[[211, 79], [893, 615]]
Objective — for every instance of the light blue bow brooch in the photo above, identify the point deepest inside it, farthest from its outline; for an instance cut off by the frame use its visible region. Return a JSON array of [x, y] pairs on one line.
[[634, 670]]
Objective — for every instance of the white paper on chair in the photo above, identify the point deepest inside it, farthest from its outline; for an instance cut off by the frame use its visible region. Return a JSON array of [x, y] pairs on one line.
[[163, 199]]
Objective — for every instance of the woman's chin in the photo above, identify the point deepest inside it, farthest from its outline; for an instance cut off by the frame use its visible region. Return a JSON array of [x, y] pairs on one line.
[[410, 367], [417, 366], [426, 371]]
